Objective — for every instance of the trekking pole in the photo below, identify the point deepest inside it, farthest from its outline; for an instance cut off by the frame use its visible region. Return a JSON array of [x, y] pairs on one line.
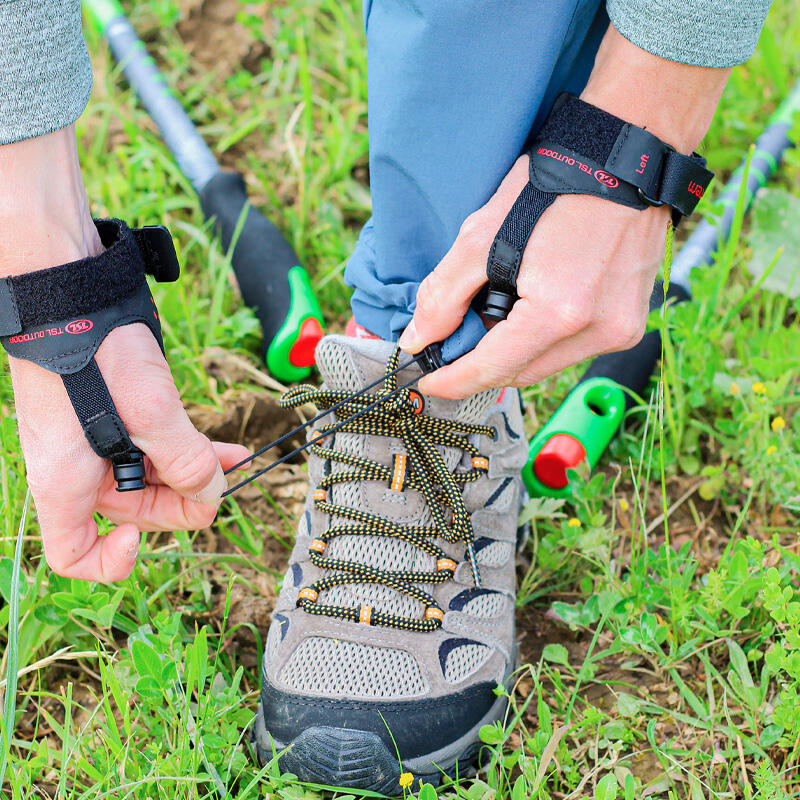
[[268, 271], [592, 412]]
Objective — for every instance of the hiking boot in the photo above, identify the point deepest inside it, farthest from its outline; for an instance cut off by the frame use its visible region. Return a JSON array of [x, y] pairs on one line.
[[396, 617]]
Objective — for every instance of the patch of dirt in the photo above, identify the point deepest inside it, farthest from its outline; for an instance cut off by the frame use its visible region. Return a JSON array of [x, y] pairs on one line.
[[272, 503], [218, 41]]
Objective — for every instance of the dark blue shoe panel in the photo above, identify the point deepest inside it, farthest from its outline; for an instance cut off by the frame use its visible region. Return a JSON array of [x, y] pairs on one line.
[[418, 727]]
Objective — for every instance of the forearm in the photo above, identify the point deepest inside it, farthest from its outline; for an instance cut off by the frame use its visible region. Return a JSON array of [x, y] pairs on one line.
[[44, 212], [674, 101]]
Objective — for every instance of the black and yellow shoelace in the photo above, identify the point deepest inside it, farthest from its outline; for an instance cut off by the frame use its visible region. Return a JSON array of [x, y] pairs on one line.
[[420, 468]]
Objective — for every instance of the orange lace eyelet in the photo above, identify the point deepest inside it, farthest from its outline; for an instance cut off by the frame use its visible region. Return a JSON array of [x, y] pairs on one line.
[[417, 401]]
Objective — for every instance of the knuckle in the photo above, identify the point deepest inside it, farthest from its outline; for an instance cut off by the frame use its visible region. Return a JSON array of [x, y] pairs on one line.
[[430, 295], [141, 409], [573, 316], [626, 331], [190, 468], [58, 560], [473, 232]]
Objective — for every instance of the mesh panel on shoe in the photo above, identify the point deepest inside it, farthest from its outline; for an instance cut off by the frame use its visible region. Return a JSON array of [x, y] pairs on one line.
[[486, 605], [474, 408], [495, 554], [464, 660], [324, 666]]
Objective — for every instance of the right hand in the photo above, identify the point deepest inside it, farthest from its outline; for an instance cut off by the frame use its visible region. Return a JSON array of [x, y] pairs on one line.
[[45, 221], [69, 482]]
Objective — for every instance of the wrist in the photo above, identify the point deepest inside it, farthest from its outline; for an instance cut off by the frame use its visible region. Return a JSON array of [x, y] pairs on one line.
[[44, 211], [673, 101]]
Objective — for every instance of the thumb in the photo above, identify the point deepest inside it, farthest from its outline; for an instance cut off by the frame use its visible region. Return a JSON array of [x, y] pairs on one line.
[[444, 296], [148, 402], [184, 458]]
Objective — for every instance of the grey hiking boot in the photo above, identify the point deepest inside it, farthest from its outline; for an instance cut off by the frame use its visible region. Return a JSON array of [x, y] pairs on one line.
[[396, 617]]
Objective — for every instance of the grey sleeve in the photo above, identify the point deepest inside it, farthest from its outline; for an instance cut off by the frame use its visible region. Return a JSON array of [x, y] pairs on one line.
[[45, 73], [705, 33]]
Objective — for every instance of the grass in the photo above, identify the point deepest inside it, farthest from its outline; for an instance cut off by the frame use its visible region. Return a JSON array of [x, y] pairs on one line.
[[659, 613]]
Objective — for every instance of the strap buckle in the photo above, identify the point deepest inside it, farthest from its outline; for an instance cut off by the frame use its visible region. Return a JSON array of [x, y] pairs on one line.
[[640, 193]]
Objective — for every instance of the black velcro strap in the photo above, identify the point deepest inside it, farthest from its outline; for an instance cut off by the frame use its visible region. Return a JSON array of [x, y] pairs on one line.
[[96, 411], [91, 284], [58, 317], [582, 149], [506, 252]]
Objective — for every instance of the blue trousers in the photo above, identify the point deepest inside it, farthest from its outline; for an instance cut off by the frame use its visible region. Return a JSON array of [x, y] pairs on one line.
[[455, 88]]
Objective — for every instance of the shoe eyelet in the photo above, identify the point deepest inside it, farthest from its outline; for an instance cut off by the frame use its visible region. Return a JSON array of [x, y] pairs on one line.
[[308, 594]]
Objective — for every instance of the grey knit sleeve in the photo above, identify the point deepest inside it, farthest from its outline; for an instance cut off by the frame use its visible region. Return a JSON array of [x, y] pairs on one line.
[[706, 33], [45, 73]]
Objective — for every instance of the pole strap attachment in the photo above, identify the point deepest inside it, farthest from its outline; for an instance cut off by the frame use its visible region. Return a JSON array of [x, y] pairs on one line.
[[582, 149], [58, 318]]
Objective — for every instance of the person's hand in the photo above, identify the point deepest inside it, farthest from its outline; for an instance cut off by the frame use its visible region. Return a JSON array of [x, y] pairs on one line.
[[587, 273], [584, 286], [68, 481]]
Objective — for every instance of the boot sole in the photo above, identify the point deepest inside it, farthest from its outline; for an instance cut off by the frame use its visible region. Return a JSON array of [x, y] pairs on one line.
[[357, 759]]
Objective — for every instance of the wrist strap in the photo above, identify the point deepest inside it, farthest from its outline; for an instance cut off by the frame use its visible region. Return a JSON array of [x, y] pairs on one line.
[[58, 317], [582, 149]]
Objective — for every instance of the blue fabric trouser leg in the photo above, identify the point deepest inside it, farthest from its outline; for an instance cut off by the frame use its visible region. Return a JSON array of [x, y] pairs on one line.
[[455, 88]]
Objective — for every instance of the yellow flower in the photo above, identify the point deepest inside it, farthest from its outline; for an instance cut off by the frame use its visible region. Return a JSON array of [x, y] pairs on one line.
[[778, 424], [406, 779], [759, 388], [574, 523], [771, 450], [734, 390], [623, 504]]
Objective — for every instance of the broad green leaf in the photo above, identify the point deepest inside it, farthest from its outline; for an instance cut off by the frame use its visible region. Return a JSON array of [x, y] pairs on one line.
[[606, 788], [739, 663], [519, 792], [6, 570], [556, 654], [775, 225], [628, 705], [146, 660], [541, 508], [492, 734], [427, 792]]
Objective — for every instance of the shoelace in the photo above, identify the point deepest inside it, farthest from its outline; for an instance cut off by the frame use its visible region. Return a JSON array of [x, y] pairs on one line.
[[420, 468]]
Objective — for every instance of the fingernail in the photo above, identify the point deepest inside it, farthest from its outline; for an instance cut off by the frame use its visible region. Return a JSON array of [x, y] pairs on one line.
[[213, 492], [133, 548], [409, 337]]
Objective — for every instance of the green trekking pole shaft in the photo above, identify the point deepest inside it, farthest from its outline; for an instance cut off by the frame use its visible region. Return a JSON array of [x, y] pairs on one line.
[[267, 269], [584, 424]]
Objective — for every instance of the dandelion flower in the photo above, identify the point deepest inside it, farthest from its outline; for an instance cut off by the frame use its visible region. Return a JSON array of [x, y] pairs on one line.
[[406, 779], [574, 523], [778, 424]]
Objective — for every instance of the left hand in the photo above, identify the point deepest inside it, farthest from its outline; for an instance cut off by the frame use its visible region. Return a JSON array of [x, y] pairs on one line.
[[587, 273], [584, 286]]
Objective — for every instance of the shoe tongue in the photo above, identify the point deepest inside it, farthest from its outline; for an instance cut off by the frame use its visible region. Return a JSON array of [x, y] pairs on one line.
[[349, 364]]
